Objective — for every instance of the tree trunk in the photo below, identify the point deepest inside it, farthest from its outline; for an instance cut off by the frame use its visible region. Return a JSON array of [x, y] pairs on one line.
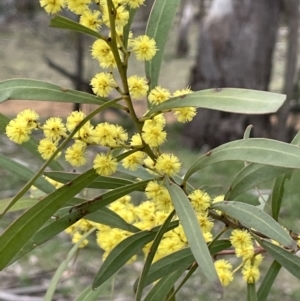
[[291, 10], [236, 45], [185, 22]]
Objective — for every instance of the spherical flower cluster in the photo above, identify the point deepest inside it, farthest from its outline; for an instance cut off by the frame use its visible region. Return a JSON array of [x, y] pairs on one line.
[[91, 19], [105, 164], [250, 270], [52, 6], [167, 164], [138, 86], [54, 129], [103, 83], [143, 47], [78, 7], [158, 95], [76, 154], [121, 18], [135, 3], [185, 114], [224, 271], [153, 131], [241, 240], [47, 147], [19, 129], [78, 229], [102, 52], [200, 200], [159, 195], [110, 135], [133, 161]]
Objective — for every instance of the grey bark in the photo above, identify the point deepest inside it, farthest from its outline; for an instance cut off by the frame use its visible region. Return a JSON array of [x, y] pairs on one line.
[[236, 45], [290, 8], [185, 22]]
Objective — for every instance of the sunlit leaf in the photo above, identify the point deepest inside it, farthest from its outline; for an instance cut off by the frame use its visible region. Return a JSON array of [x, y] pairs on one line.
[[63, 266], [150, 256], [255, 218], [19, 233], [73, 214], [90, 294], [254, 150], [105, 216], [251, 292], [181, 258], [268, 281], [22, 204], [126, 29], [158, 27], [24, 173], [100, 183], [162, 288], [29, 89], [124, 251], [251, 176], [277, 193], [289, 261], [193, 233], [65, 23], [233, 100]]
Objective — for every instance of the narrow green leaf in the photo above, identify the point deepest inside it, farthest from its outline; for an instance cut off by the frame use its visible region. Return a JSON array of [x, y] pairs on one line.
[[233, 100], [193, 233], [219, 245], [277, 194], [126, 29], [62, 267], [162, 288], [278, 186], [108, 217], [178, 259], [255, 150], [255, 218], [268, 281], [124, 251], [30, 145], [171, 295], [296, 140], [248, 131], [65, 23], [141, 173], [29, 89], [150, 256], [90, 294], [167, 265], [74, 214], [251, 292], [22, 204], [187, 276], [251, 176], [288, 260], [100, 183], [20, 232], [24, 173], [159, 24]]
